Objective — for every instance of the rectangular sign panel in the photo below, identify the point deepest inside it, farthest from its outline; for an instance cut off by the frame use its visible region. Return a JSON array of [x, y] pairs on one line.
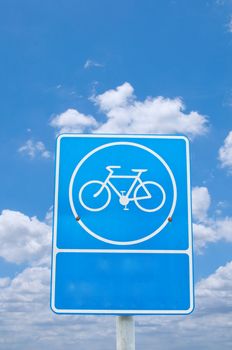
[[122, 240]]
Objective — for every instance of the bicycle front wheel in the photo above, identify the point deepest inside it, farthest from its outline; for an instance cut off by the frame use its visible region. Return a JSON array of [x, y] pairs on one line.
[[153, 203], [94, 196]]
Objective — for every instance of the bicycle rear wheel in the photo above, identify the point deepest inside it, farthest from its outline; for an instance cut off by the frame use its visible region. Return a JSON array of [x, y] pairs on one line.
[[153, 204]]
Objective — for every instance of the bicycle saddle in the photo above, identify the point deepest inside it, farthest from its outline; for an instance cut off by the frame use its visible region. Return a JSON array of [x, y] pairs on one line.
[[139, 170]]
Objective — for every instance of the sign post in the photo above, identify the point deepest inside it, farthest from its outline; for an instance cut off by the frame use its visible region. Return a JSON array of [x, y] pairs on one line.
[[122, 240], [125, 333]]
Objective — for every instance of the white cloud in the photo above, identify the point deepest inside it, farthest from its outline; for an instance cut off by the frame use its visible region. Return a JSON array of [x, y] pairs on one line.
[[24, 239], [206, 229], [225, 153], [90, 64], [153, 115], [208, 327], [31, 285], [200, 202], [72, 121], [204, 234], [24, 302], [125, 114], [215, 292], [33, 149], [122, 96], [4, 282], [230, 25], [49, 216]]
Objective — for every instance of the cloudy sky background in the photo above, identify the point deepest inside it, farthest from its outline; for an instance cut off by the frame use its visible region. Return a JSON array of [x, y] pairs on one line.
[[122, 67]]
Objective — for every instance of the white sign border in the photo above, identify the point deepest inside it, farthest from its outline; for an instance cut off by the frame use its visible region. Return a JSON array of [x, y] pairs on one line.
[[56, 250]]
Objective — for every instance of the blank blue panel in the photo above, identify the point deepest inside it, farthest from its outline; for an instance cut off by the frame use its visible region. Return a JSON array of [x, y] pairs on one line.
[[122, 281]]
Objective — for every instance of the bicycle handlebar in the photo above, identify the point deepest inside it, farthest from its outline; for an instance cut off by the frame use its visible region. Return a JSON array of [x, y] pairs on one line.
[[109, 167]]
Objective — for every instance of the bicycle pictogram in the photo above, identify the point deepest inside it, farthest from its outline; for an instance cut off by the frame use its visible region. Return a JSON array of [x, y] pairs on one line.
[[95, 195]]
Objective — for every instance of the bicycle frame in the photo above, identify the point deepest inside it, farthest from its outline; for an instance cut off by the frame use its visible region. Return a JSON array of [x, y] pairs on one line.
[[136, 179]]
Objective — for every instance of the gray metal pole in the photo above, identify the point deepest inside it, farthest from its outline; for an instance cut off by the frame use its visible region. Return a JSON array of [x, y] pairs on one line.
[[125, 330]]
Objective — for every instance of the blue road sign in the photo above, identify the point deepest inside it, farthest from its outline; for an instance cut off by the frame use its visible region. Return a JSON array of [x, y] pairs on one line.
[[122, 241]]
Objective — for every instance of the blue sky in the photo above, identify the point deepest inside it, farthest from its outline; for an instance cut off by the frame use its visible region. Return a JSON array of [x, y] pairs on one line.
[[73, 66]]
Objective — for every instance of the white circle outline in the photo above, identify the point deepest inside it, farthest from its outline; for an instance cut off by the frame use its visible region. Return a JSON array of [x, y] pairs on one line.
[[125, 143]]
